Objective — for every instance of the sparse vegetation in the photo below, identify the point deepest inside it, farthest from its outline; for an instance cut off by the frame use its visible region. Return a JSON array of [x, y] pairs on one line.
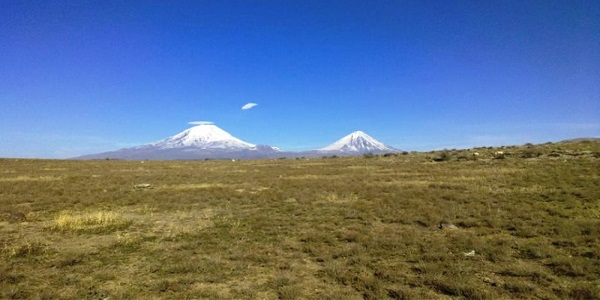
[[399, 227], [369, 155], [443, 156], [532, 153]]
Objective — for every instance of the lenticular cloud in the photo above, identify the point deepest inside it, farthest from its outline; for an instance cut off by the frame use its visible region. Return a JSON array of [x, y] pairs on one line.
[[249, 106], [200, 123]]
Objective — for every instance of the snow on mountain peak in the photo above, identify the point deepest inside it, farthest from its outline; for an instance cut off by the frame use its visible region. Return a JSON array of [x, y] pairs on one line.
[[358, 141], [204, 136]]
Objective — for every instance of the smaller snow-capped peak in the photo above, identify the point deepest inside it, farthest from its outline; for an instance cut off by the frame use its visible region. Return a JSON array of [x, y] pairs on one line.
[[358, 141], [203, 136]]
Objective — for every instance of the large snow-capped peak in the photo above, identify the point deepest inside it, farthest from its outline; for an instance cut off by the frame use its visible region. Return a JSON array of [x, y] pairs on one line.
[[204, 136], [358, 141]]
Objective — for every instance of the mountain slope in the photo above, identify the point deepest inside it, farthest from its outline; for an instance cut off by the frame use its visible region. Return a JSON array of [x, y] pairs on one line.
[[208, 141], [358, 142], [204, 136], [199, 142]]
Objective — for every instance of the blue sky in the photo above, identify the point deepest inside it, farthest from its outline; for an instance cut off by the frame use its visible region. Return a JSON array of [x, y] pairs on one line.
[[80, 77]]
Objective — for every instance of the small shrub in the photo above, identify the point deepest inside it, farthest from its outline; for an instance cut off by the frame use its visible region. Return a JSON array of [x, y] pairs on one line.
[[530, 153], [457, 289], [16, 217], [566, 267], [444, 156], [289, 292], [585, 291], [369, 155], [25, 249]]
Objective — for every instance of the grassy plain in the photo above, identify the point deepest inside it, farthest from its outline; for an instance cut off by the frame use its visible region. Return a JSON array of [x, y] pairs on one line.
[[526, 225]]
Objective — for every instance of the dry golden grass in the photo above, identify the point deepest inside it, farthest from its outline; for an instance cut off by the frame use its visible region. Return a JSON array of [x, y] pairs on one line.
[[192, 186], [23, 249], [100, 221], [344, 228], [29, 178]]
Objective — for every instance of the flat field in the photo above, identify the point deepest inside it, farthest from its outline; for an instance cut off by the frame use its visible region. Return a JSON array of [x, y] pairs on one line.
[[524, 224]]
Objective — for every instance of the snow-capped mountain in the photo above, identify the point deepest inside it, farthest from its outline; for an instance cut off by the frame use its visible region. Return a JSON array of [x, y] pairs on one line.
[[203, 136], [208, 141], [358, 142], [205, 140]]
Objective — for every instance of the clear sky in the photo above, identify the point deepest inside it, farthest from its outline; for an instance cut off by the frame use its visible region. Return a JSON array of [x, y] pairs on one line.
[[80, 77]]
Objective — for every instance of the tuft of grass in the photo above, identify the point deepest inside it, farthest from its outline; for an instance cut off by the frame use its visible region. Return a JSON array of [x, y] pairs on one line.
[[93, 222], [23, 249], [585, 290]]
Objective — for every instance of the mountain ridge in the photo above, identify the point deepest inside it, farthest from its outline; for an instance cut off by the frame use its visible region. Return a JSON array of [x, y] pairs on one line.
[[203, 136], [358, 142], [208, 141]]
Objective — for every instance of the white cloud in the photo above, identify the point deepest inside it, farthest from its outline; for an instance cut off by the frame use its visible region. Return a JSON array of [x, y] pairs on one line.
[[200, 123], [249, 106]]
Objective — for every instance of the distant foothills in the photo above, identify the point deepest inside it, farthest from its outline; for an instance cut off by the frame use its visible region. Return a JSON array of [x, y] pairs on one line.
[[208, 141]]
